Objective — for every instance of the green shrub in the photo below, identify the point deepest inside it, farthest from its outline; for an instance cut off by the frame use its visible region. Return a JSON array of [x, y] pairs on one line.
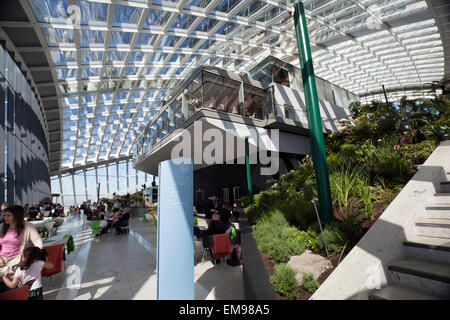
[[264, 202], [336, 161], [309, 283], [392, 166], [345, 183], [298, 212], [348, 150], [275, 237], [438, 130], [419, 152], [334, 238], [245, 201], [284, 282]]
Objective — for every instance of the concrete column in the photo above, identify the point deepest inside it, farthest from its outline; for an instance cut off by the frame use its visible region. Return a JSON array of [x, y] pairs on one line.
[[128, 178], [74, 191], [107, 179], [85, 183], [174, 258], [117, 177], [61, 190]]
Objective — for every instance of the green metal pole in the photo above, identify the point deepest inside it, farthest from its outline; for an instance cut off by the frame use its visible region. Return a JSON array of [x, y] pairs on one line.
[[319, 156], [98, 192], [249, 175]]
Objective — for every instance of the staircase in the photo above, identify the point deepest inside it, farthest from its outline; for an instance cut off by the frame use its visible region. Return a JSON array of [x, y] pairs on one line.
[[405, 255], [423, 273]]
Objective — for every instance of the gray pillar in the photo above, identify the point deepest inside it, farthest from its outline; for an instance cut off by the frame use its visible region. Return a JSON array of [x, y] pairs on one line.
[[74, 191], [107, 179], [117, 175], [128, 178], [85, 183], [61, 190]]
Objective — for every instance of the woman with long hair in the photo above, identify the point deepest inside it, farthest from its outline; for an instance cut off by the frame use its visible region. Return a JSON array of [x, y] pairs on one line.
[[15, 236]]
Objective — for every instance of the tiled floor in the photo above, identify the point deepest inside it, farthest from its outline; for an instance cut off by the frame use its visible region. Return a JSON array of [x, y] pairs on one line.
[[123, 267]]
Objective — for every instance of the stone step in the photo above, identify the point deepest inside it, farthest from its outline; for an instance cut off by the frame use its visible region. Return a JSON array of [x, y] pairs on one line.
[[438, 212], [399, 292], [445, 187], [441, 199], [436, 249], [439, 228], [427, 275]]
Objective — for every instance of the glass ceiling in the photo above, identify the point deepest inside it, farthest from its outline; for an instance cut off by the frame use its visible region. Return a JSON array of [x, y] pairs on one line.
[[116, 64]]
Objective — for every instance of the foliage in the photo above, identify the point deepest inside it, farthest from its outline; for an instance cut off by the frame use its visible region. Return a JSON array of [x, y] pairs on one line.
[[263, 203], [344, 183], [245, 201], [275, 237], [284, 281], [419, 152], [335, 239], [438, 130], [309, 283], [391, 165], [58, 222], [298, 212]]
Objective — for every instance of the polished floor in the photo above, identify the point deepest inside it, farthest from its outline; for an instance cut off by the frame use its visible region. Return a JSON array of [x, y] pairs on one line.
[[123, 267]]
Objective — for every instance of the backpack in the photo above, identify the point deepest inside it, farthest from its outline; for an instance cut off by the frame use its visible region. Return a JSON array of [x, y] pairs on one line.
[[235, 259]]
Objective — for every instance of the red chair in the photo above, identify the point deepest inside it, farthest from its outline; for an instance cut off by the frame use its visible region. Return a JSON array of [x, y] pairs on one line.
[[55, 254], [221, 247], [16, 294]]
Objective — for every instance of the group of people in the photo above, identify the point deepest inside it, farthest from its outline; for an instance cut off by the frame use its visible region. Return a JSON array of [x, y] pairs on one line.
[[22, 256], [118, 216], [35, 212], [417, 137]]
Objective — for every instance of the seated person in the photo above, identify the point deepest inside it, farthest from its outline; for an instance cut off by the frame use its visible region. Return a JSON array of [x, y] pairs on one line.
[[216, 226], [122, 220], [34, 213], [96, 215], [236, 211], [225, 214]]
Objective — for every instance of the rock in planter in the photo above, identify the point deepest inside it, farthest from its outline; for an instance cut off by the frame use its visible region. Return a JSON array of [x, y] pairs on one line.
[[309, 262]]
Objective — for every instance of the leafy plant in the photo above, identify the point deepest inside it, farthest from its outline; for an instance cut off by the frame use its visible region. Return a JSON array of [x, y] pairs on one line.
[[245, 201], [419, 152], [298, 212], [284, 282], [343, 184], [275, 237], [309, 283]]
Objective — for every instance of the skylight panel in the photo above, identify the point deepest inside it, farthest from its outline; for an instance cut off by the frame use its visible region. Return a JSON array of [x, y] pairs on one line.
[[92, 37], [156, 18], [56, 37], [126, 16], [92, 13], [51, 11]]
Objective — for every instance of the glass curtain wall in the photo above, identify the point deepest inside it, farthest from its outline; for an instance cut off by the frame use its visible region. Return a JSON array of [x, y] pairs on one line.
[[24, 157], [115, 177]]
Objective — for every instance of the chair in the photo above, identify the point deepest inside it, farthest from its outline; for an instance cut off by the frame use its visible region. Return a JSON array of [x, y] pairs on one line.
[[221, 247], [55, 254], [15, 294], [125, 228], [95, 226]]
